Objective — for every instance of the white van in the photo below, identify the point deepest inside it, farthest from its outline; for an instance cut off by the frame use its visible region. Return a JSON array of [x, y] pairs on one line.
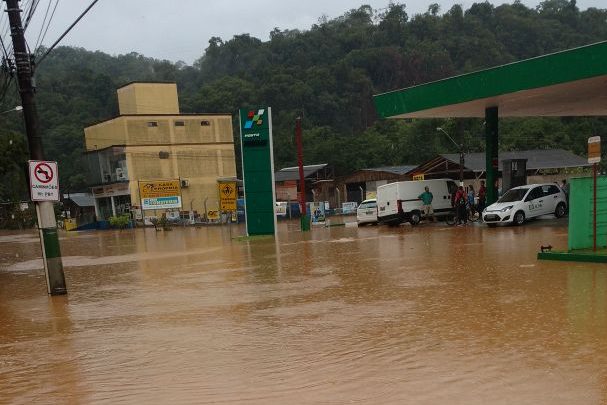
[[399, 202]]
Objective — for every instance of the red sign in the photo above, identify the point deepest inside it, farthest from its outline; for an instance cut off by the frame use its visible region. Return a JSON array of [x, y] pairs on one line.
[[43, 173], [44, 185]]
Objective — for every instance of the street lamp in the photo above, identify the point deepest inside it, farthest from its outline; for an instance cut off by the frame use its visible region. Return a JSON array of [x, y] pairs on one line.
[[18, 108], [461, 155]]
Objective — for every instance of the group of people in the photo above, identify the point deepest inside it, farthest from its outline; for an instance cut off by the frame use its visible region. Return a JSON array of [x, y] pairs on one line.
[[463, 201]]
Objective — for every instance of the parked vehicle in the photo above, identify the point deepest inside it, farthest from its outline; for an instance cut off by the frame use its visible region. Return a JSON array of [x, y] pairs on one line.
[[524, 202], [366, 213], [399, 202]]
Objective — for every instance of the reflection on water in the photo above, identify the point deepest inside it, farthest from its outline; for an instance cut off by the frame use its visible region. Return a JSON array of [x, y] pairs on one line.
[[370, 315]]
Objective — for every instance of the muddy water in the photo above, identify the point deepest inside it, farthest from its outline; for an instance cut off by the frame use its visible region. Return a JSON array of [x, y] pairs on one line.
[[340, 315]]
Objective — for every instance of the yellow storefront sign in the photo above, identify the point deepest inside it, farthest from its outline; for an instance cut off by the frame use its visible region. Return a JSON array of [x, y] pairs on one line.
[[419, 176], [160, 194], [159, 188], [228, 193]]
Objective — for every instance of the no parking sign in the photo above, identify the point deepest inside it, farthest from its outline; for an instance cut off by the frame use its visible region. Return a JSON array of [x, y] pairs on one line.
[[44, 180]]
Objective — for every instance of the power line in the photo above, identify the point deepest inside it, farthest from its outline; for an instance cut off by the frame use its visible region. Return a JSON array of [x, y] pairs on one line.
[[40, 40], [30, 13], [67, 31], [3, 48]]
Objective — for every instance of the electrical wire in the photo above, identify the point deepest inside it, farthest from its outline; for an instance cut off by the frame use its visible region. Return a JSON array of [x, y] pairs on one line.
[[5, 88], [40, 39], [67, 31], [3, 48], [30, 13]]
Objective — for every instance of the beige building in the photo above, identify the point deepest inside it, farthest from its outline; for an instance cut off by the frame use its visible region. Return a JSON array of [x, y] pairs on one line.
[[151, 140]]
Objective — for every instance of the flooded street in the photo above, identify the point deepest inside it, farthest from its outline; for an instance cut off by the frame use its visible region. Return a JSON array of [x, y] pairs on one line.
[[370, 315]]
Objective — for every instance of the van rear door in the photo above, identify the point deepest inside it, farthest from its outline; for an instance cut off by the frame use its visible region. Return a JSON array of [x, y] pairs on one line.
[[386, 200]]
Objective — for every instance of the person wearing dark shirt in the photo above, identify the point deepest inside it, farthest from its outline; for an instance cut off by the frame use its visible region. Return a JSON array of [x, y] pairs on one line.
[[482, 197], [460, 205]]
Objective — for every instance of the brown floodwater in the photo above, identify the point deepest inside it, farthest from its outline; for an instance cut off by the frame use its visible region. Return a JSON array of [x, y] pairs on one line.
[[339, 315]]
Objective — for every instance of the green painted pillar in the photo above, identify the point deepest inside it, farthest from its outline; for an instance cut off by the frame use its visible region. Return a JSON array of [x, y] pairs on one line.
[[491, 152]]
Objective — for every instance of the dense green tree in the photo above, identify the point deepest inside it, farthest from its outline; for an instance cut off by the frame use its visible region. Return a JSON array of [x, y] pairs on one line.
[[327, 75]]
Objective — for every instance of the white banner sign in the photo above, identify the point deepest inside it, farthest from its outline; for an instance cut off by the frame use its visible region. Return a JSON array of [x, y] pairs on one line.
[[160, 203], [44, 180], [349, 207]]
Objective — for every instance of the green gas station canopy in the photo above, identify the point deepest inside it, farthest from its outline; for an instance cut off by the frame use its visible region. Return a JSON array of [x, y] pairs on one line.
[[567, 83]]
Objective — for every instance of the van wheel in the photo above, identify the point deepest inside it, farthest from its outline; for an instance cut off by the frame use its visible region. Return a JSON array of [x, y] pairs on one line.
[[560, 210], [519, 218], [415, 218]]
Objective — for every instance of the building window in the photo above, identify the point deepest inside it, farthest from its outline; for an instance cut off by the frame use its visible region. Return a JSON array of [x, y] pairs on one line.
[[180, 123], [163, 154], [152, 124], [205, 123]]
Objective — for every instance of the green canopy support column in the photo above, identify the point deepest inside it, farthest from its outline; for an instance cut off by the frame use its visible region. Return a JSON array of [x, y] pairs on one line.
[[491, 152]]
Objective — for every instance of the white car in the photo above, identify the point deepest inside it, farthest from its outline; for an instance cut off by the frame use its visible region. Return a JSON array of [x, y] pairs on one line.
[[524, 202], [366, 213]]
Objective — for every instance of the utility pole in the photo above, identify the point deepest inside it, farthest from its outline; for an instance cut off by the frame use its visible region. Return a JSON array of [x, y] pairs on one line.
[[304, 221], [462, 162], [47, 224]]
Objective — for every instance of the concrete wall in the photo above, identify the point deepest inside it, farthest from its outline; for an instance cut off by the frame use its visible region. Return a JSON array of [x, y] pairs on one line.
[[104, 134], [154, 130], [148, 98], [200, 165]]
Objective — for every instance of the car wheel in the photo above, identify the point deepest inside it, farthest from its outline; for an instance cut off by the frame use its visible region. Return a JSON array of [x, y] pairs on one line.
[[519, 218], [560, 210], [415, 218]]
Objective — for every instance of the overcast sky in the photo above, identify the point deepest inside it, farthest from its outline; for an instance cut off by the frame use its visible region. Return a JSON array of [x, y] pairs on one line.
[[180, 30]]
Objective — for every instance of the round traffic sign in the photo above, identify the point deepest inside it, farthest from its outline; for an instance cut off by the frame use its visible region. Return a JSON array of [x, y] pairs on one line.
[[43, 173]]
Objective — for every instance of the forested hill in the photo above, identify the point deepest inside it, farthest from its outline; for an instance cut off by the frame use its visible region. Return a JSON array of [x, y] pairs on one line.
[[328, 73]]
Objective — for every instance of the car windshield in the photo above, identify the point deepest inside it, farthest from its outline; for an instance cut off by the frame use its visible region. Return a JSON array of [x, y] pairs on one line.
[[516, 194], [367, 205]]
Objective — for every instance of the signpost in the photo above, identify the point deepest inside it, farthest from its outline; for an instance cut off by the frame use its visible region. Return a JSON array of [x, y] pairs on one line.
[[160, 194], [594, 158], [228, 193], [44, 180], [258, 170], [44, 190]]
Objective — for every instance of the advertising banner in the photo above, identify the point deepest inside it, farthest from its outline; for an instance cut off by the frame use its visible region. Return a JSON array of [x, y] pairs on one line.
[[349, 207], [317, 211], [213, 215], [418, 176], [228, 193], [281, 209], [160, 194]]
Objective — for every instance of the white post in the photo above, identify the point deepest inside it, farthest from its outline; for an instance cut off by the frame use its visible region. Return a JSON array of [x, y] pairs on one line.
[[113, 206], [97, 210]]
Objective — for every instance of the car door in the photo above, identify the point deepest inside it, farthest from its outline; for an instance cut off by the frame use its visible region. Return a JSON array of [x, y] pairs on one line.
[[534, 203], [551, 197]]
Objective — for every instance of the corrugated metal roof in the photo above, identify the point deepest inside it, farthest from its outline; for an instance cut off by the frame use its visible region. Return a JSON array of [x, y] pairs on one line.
[[80, 199], [399, 170], [292, 173], [536, 159]]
